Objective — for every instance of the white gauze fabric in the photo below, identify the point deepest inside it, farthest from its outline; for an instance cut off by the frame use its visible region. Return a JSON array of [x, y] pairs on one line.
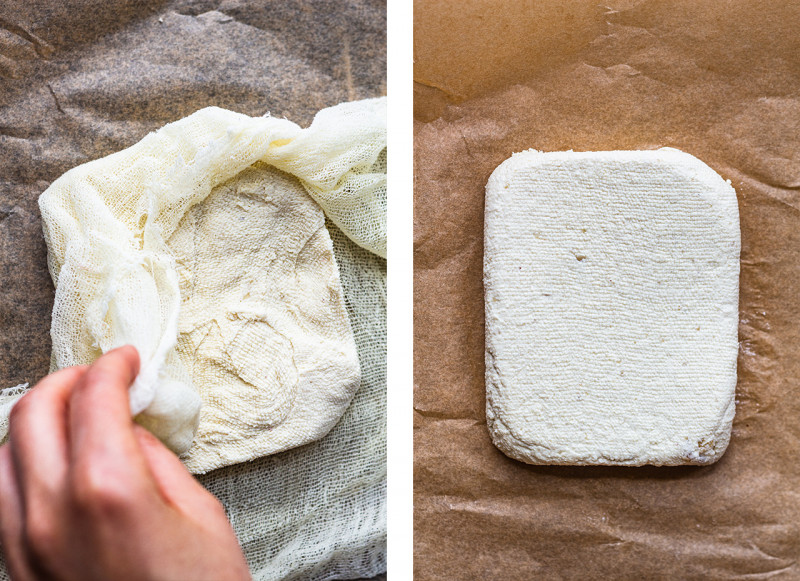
[[193, 246]]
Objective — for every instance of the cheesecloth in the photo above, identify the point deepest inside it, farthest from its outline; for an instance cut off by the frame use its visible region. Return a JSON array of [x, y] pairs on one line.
[[316, 512]]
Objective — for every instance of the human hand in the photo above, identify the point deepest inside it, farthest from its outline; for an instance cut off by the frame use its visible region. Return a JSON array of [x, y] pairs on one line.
[[86, 494]]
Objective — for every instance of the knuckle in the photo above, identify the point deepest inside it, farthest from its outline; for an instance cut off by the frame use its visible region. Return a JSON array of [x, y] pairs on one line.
[[41, 536], [97, 492], [21, 408], [215, 504], [145, 436], [94, 376], [216, 508]]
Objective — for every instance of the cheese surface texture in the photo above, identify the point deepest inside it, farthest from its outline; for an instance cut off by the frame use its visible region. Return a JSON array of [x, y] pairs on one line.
[[611, 294], [263, 333]]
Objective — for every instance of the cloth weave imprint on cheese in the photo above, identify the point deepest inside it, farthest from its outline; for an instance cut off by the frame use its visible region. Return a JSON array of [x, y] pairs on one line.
[[204, 245], [611, 286]]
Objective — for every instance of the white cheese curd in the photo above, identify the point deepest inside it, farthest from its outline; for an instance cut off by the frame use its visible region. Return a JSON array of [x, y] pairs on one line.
[[611, 292]]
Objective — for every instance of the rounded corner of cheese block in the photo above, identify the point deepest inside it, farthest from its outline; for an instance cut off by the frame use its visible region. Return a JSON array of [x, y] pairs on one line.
[[498, 180], [503, 439], [699, 169], [709, 450]]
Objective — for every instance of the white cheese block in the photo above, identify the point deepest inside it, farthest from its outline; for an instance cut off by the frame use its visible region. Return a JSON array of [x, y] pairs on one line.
[[611, 291]]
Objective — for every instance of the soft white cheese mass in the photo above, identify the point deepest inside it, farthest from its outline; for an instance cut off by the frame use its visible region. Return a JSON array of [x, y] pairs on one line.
[[611, 292]]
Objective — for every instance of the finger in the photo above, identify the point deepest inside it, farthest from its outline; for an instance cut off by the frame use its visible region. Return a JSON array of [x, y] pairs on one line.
[[100, 422], [11, 519], [38, 436], [177, 486]]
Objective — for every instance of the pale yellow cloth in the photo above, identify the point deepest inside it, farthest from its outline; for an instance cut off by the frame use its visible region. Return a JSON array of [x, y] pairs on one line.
[[191, 246]]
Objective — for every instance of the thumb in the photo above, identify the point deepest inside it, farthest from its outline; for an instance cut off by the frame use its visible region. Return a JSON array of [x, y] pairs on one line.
[[177, 486]]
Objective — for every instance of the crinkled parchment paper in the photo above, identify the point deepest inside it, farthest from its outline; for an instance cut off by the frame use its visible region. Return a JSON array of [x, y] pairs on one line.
[[80, 79], [718, 80]]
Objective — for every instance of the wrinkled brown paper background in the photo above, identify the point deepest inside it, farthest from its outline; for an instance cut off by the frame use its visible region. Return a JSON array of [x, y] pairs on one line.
[[80, 79], [720, 80]]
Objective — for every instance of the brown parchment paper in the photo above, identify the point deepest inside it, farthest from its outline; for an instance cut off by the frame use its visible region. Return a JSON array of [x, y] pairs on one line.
[[81, 79], [720, 80]]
